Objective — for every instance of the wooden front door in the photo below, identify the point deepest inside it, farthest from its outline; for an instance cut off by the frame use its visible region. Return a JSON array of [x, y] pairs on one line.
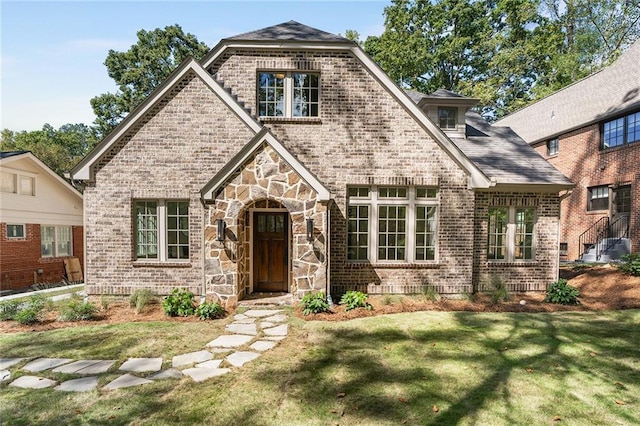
[[270, 252]]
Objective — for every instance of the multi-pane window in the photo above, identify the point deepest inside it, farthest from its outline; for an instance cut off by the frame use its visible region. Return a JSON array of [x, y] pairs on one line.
[[392, 224], [55, 241], [161, 229], [447, 117], [552, 147], [17, 184], [511, 233], [598, 198], [15, 231], [8, 182], [623, 130], [288, 94]]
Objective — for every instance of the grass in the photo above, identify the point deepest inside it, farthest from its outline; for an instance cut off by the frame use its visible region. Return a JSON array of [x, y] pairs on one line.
[[477, 368]]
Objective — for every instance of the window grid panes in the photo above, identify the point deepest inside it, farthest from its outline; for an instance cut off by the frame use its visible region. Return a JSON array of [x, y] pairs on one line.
[[392, 192], [47, 240], [598, 198], [447, 118], [63, 241], [358, 191], [614, 133], [271, 94], [178, 230], [55, 241], [426, 192], [623, 130], [15, 231], [305, 95], [497, 245], [552, 147], [622, 199], [147, 229], [525, 220], [358, 233], [425, 233], [633, 127], [391, 232]]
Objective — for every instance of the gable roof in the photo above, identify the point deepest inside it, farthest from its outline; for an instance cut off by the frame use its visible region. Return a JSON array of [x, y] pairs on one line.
[[289, 31], [264, 136], [611, 91], [8, 157], [84, 169]]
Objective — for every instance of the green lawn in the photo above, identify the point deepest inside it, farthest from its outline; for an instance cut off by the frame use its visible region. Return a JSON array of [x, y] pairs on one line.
[[476, 368]]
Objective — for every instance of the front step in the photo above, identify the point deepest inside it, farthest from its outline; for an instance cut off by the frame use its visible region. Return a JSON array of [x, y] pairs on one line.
[[614, 253], [266, 300]]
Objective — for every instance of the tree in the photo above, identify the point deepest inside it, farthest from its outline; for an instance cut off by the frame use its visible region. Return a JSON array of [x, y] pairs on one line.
[[141, 69]]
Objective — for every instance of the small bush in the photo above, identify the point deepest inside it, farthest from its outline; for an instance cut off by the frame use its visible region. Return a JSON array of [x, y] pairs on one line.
[[499, 292], [141, 298], [355, 299], [179, 303], [9, 309], [631, 264], [38, 302], [314, 303], [431, 294], [27, 316], [210, 310], [562, 293], [77, 310]]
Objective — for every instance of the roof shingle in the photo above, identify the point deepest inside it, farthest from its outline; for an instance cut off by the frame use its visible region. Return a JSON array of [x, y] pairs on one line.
[[289, 31]]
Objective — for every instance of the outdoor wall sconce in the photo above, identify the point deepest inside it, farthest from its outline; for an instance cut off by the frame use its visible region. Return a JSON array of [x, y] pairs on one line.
[[309, 229], [221, 229]]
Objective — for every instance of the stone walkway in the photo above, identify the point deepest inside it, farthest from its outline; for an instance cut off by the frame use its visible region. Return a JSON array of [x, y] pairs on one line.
[[250, 334]]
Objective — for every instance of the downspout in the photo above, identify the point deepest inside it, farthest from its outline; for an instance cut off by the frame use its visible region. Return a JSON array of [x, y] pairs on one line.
[[328, 255], [203, 294], [561, 196]]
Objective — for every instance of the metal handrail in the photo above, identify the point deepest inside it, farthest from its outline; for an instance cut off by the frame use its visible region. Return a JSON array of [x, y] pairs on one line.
[[618, 230], [589, 238]]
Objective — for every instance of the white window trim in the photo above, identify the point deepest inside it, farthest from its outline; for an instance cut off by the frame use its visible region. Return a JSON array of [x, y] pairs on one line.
[[411, 202], [55, 241], [288, 94], [18, 175], [163, 231], [24, 231], [511, 236]]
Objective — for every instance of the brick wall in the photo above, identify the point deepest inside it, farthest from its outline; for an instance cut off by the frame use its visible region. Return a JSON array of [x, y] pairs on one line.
[[581, 160], [20, 259]]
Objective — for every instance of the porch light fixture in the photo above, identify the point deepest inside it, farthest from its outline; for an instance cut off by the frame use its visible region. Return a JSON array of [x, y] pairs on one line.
[[309, 229], [221, 229]]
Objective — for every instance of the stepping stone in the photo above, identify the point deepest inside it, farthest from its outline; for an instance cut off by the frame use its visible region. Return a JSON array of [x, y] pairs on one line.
[[236, 328], [267, 324], [238, 359], [280, 330], [82, 384], [274, 338], [232, 341], [85, 367], [99, 367], [142, 364], [214, 363], [126, 381], [276, 318], [32, 382], [257, 313], [202, 374], [191, 358], [42, 364], [5, 375], [262, 345], [240, 317], [8, 362], [172, 373]]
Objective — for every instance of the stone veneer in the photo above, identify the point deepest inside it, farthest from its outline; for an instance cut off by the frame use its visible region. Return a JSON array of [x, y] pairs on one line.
[[265, 182]]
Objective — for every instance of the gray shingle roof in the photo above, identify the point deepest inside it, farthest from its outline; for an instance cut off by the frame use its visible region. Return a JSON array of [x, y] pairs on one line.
[[606, 93], [504, 156], [289, 31], [7, 154]]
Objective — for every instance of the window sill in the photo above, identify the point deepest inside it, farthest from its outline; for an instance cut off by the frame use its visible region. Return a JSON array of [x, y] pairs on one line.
[[159, 264], [362, 265], [515, 263], [298, 120], [598, 212]]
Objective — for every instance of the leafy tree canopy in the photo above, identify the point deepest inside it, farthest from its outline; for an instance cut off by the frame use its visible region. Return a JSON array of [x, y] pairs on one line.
[[141, 69]]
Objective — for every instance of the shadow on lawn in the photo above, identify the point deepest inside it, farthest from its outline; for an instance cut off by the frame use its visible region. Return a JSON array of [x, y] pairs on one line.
[[392, 375]]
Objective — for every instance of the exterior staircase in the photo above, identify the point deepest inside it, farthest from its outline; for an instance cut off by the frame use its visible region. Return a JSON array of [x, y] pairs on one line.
[[605, 240], [615, 249]]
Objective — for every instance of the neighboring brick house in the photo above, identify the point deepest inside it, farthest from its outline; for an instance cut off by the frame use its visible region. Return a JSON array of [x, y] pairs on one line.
[[590, 131], [40, 222], [286, 160]]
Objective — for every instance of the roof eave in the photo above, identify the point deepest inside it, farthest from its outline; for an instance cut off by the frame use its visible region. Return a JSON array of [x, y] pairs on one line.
[[529, 187]]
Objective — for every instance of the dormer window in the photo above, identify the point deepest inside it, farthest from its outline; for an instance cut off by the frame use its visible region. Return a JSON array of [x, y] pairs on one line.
[[447, 118], [288, 94]]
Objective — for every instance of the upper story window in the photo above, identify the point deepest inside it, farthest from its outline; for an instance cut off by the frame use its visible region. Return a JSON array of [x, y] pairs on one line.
[[161, 230], [447, 117], [14, 183], [552, 147], [598, 198], [288, 94], [623, 130]]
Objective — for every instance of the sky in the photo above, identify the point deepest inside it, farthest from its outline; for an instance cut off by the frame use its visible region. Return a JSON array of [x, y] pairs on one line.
[[52, 53]]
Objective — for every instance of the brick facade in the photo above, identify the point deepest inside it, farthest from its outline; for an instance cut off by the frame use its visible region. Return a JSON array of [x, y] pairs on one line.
[[21, 262], [580, 158]]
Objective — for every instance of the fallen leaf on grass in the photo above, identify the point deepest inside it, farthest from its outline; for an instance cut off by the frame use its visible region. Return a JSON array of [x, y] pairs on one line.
[[403, 400], [341, 395], [435, 409], [593, 354], [529, 370], [619, 384], [620, 402], [556, 418]]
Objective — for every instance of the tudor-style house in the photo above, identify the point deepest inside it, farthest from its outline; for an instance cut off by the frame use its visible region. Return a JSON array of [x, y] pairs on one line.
[[286, 160], [590, 131]]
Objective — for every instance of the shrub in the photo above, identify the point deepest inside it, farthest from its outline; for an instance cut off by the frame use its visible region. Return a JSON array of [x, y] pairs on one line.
[[631, 264], [27, 316], [355, 299], [77, 310], [431, 294], [9, 309], [210, 310], [179, 303], [499, 292], [38, 302], [141, 298], [562, 293], [314, 303]]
